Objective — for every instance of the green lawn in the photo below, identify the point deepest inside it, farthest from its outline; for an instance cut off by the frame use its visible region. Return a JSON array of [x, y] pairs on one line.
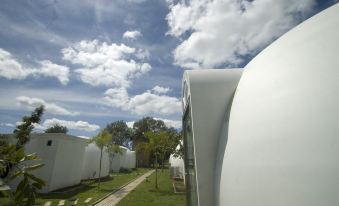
[[145, 194], [91, 190]]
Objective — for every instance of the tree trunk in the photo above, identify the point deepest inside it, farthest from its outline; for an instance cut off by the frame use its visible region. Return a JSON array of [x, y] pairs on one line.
[[156, 172], [100, 167]]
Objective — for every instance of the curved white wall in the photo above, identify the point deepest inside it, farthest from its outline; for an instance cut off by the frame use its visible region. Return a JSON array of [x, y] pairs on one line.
[[209, 95], [177, 163], [283, 140], [125, 160], [130, 160], [92, 161]]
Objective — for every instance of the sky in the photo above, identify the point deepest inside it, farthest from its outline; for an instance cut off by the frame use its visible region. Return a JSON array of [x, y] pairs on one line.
[[93, 62]]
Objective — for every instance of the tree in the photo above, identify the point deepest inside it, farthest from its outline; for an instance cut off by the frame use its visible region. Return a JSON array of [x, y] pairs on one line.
[[121, 133], [13, 163], [23, 130], [57, 129], [144, 125], [141, 127], [102, 140], [158, 147]]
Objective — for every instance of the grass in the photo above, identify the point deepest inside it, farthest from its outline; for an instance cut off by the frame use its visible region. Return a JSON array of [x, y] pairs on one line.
[[87, 190], [146, 194]]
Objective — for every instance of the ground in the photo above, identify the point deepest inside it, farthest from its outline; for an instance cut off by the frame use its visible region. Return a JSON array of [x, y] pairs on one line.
[[115, 181], [146, 194]]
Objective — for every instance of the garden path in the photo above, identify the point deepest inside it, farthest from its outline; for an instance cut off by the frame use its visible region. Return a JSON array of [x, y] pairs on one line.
[[114, 198]]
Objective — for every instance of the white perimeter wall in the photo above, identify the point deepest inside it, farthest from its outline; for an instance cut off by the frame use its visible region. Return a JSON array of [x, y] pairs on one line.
[[125, 160], [68, 162], [92, 161]]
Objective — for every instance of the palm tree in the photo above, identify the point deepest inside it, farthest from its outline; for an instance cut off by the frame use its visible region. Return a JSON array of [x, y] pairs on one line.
[[102, 140]]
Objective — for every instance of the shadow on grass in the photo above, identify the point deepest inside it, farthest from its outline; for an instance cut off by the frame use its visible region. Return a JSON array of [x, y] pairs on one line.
[[70, 192], [161, 192]]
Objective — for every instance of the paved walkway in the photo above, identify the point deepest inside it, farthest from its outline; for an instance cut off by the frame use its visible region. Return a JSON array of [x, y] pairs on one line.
[[114, 198]]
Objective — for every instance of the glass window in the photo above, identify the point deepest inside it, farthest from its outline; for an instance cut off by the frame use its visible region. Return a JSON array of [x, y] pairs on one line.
[[191, 185]]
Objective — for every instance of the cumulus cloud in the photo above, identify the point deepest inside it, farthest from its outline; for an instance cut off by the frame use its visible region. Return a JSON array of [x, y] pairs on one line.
[[130, 124], [7, 125], [131, 34], [10, 68], [105, 64], [52, 108], [74, 125], [171, 123], [150, 103], [161, 90], [147, 103], [224, 31], [50, 69]]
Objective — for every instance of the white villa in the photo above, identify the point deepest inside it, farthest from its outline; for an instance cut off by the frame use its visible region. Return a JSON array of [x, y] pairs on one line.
[[268, 134], [69, 159]]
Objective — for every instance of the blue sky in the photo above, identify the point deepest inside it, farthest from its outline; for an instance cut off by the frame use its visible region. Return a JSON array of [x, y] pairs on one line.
[[94, 62]]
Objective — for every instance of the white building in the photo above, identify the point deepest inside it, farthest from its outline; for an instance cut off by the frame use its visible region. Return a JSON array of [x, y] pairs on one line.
[[126, 160], [91, 164], [177, 167], [62, 155], [268, 134]]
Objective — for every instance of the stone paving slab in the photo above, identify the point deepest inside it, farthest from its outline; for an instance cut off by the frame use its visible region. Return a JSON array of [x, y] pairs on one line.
[[114, 198]]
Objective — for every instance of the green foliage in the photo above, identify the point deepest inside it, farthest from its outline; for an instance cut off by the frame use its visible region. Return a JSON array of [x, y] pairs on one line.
[[14, 164], [141, 127], [158, 147], [23, 130], [147, 124], [125, 170], [121, 133], [57, 129], [104, 140]]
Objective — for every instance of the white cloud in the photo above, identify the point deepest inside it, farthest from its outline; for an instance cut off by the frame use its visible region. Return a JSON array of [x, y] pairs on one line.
[[52, 108], [168, 123], [147, 103], [38, 127], [161, 90], [7, 125], [84, 137], [131, 34], [50, 69], [130, 124], [117, 97], [224, 31], [10, 68], [105, 65], [78, 125], [171, 123], [142, 54]]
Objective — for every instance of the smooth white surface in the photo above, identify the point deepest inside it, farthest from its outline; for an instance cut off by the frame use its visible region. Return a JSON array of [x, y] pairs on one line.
[[210, 94], [125, 160], [63, 159], [92, 162], [177, 163], [283, 141]]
